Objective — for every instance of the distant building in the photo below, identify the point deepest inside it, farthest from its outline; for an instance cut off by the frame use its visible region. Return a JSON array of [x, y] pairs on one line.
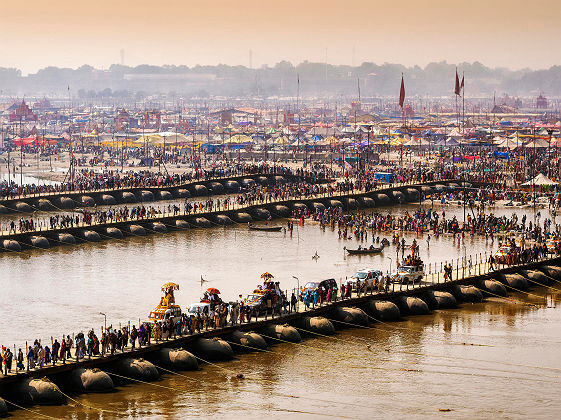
[[408, 111], [288, 118], [124, 121], [541, 102], [356, 107], [152, 119], [503, 109], [43, 105], [236, 115], [23, 113]]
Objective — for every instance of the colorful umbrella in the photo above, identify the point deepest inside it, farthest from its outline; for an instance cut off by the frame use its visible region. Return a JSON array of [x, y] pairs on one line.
[[213, 291]]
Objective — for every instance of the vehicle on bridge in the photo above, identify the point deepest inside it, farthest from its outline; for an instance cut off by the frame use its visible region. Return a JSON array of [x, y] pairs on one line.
[[412, 271], [269, 291], [312, 286], [167, 308], [368, 276]]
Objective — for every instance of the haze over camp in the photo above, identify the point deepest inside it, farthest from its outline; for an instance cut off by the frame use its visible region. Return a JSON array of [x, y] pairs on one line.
[[280, 209]]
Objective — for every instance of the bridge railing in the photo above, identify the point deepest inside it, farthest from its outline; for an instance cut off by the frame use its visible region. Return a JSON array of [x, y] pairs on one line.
[[463, 270]]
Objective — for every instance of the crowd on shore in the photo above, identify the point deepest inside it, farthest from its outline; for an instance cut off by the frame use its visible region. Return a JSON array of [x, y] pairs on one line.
[[434, 223]]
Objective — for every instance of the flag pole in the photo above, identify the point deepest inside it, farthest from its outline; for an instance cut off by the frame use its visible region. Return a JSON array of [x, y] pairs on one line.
[[401, 102], [463, 102]]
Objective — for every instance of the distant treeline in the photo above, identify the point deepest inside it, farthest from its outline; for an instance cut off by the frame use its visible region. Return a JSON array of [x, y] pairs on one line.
[[316, 79]]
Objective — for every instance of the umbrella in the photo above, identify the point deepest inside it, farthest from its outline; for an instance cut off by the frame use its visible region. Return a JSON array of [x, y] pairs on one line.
[[213, 291], [267, 275], [174, 286]]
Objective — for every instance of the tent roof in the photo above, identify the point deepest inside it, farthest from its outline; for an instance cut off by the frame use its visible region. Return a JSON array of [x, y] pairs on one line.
[[540, 179]]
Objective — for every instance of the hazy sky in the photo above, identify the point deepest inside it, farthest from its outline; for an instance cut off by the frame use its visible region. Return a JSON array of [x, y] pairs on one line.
[[509, 33]]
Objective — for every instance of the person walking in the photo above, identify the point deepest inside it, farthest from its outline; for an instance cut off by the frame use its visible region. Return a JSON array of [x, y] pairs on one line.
[[19, 364], [491, 262], [30, 358], [133, 337], [293, 302], [63, 350], [55, 351], [69, 344]]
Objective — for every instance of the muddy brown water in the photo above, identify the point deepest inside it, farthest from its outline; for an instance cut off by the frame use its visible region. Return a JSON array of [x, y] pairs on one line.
[[495, 359]]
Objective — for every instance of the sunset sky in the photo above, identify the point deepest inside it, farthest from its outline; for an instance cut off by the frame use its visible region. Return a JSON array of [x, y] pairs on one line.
[[69, 33]]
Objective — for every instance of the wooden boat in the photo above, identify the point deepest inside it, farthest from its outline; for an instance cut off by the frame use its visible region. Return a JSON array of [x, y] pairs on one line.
[[364, 251], [265, 228]]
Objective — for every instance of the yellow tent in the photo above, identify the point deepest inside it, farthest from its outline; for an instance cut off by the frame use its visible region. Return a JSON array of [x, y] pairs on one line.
[[118, 143], [397, 141], [281, 140], [151, 139], [238, 139]]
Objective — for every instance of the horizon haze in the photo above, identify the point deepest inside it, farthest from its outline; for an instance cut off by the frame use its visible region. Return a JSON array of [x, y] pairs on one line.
[[66, 33]]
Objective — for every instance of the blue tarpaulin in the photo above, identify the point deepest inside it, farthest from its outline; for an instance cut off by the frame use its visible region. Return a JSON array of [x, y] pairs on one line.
[[501, 155]]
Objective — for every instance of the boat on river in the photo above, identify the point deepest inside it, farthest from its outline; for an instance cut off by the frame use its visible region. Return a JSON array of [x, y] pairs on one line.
[[264, 228], [365, 251]]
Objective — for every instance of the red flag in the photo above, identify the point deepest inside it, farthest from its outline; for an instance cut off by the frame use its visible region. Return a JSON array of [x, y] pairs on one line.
[[402, 93], [457, 85], [462, 84]]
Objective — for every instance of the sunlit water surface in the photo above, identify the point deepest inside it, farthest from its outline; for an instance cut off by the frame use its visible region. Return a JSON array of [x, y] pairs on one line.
[[495, 359]]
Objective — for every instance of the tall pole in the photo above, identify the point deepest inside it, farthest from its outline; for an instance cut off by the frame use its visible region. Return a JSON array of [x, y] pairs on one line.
[[20, 154], [463, 133], [534, 172], [463, 102], [298, 111]]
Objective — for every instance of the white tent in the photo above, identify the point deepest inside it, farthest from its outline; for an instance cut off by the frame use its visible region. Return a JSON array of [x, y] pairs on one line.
[[507, 143], [540, 180]]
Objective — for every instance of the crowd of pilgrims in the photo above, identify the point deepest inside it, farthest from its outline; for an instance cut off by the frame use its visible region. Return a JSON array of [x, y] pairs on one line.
[[254, 194], [429, 221], [89, 180], [125, 338]]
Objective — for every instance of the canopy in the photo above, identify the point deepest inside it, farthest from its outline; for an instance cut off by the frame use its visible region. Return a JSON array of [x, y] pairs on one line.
[[540, 179], [238, 139], [173, 286], [27, 141], [152, 139], [281, 140], [118, 143], [172, 137], [267, 275], [213, 291]]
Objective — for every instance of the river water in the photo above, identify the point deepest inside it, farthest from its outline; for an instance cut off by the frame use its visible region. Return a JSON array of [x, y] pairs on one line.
[[495, 359]]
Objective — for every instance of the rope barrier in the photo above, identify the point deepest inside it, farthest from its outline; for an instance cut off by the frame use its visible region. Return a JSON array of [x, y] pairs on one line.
[[551, 278], [31, 411], [348, 323], [247, 390], [432, 355], [103, 410], [508, 299], [281, 394], [522, 291], [347, 356], [544, 285], [142, 382]]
